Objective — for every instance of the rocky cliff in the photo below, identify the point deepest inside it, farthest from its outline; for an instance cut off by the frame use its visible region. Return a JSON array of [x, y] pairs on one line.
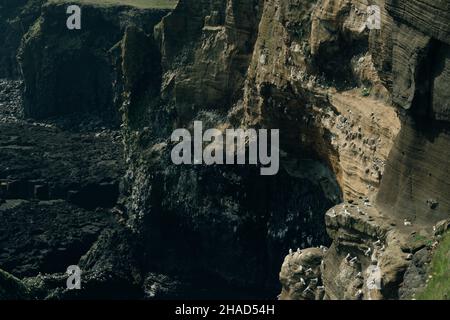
[[78, 71], [362, 191], [386, 234], [362, 118]]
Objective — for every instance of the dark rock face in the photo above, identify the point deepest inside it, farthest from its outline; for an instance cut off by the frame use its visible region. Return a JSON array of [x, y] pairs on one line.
[[12, 288], [222, 231], [223, 226], [15, 19], [228, 226], [46, 237], [10, 99], [42, 161], [68, 71]]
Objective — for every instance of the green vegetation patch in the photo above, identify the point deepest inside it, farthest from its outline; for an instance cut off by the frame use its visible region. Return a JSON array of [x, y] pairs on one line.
[[365, 92], [438, 287]]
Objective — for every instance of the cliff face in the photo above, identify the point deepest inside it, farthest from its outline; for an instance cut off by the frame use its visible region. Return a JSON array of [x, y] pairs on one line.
[[238, 222], [253, 72], [15, 19], [374, 243], [362, 191], [337, 91], [78, 71]]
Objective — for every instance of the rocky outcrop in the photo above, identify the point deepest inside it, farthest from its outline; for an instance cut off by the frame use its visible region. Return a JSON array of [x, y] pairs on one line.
[[205, 69], [15, 19], [203, 76], [41, 161], [363, 185], [77, 71], [339, 116], [379, 241], [46, 237], [12, 288], [300, 275]]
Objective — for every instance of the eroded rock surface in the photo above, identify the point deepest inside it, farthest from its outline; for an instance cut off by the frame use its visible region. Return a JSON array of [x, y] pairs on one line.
[[363, 185]]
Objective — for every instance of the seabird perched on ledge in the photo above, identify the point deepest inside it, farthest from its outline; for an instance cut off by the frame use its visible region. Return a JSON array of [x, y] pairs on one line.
[[367, 252], [407, 223], [308, 289]]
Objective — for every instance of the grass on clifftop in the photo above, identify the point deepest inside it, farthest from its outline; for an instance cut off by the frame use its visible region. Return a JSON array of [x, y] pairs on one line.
[[438, 288], [144, 4]]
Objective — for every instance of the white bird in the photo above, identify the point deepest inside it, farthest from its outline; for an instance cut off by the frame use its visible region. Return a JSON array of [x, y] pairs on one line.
[[377, 243], [354, 260], [359, 275], [359, 293], [298, 250], [302, 281], [347, 257], [407, 223], [290, 251], [308, 289], [309, 271], [300, 268], [367, 252]]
